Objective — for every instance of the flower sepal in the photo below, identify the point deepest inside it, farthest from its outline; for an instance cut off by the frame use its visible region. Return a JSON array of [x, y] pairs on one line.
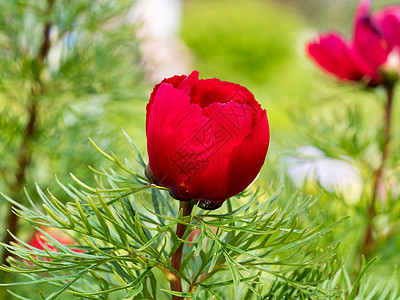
[[208, 204]]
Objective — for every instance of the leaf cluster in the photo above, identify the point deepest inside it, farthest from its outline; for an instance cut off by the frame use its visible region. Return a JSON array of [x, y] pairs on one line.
[[125, 227], [73, 61], [348, 126]]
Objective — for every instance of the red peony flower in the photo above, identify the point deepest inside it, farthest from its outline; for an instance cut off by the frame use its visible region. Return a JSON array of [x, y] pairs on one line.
[[39, 240], [206, 139], [372, 55]]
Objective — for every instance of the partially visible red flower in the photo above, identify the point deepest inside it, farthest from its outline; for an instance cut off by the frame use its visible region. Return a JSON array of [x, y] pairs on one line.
[[39, 240], [373, 52], [206, 139]]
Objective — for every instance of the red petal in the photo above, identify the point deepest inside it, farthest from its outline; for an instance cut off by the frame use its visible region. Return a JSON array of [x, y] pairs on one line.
[[232, 122], [210, 91], [174, 81], [189, 83], [248, 157], [389, 20], [179, 137], [332, 53], [181, 82], [370, 50], [362, 11]]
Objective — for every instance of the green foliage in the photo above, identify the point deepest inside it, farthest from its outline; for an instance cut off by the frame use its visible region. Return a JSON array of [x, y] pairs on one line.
[[348, 126], [266, 244], [125, 227], [67, 70], [364, 287], [70, 60], [258, 44], [242, 40]]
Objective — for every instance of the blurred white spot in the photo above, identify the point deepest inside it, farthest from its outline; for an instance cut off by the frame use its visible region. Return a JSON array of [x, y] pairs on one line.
[[164, 53], [392, 65], [393, 60], [310, 164]]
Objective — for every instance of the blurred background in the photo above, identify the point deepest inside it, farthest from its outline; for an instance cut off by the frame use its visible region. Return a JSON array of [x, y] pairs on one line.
[[79, 68]]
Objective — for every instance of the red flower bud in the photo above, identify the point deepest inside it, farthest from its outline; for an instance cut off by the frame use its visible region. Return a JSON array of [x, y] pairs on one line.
[[369, 56], [206, 139]]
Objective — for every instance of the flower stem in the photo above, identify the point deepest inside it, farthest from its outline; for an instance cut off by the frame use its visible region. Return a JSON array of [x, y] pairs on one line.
[[176, 259], [378, 181]]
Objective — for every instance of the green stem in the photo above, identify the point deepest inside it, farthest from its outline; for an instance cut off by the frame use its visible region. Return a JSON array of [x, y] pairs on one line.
[[378, 181], [176, 259]]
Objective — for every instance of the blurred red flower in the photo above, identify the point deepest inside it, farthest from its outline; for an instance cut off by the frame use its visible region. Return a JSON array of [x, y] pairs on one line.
[[373, 54], [206, 139], [39, 240]]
